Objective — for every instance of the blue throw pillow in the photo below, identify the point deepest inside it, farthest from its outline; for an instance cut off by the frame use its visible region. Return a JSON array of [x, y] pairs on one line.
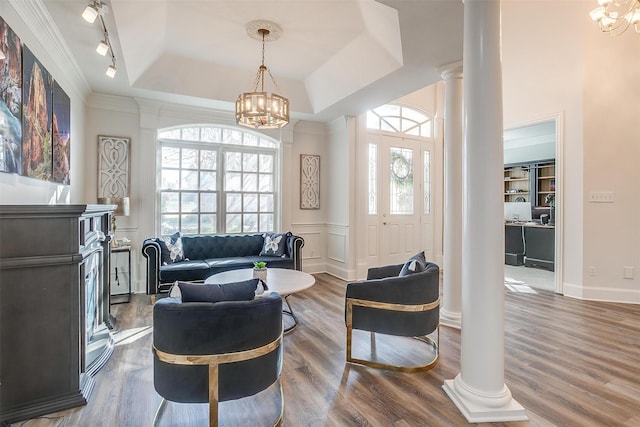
[[236, 291], [275, 244], [415, 264]]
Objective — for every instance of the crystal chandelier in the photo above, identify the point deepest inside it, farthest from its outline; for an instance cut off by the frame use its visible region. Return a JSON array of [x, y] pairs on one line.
[[262, 110], [616, 16]]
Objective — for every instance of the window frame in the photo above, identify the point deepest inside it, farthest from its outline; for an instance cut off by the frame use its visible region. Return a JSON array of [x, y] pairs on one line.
[[260, 144]]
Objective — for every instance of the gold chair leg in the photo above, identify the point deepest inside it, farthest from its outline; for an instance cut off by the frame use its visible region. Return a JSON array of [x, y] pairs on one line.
[[213, 395], [425, 339]]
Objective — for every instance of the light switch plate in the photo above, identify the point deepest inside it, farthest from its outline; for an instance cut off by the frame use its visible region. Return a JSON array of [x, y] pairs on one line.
[[602, 197]]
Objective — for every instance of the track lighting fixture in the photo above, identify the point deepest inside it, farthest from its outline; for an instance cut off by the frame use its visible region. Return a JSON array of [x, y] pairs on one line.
[[97, 9]]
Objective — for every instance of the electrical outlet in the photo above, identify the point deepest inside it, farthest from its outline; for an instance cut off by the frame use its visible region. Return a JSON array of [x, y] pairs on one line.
[[628, 272], [602, 197], [592, 271]]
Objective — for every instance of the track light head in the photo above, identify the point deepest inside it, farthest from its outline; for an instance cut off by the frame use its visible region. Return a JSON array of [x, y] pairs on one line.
[[111, 70], [103, 47], [91, 12]]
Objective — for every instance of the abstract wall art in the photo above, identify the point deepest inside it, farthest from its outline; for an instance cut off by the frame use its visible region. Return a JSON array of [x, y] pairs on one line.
[[36, 118], [10, 100], [61, 132]]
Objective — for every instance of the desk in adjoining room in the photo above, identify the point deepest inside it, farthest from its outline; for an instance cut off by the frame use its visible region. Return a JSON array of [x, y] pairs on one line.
[[529, 244]]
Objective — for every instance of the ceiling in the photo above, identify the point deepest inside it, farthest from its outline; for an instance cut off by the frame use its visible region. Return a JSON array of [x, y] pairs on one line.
[[333, 58]]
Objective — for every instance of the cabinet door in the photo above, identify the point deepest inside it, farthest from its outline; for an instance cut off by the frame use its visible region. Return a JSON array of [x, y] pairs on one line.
[[120, 276]]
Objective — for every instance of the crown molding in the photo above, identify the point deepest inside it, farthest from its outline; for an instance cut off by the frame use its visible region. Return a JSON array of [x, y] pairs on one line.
[[37, 18], [118, 103], [314, 128]]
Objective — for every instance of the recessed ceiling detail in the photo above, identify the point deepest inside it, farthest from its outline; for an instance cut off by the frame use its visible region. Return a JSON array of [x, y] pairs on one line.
[[332, 57]]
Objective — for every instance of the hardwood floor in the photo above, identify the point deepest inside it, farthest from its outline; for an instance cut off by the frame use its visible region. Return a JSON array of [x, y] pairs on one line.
[[568, 362]]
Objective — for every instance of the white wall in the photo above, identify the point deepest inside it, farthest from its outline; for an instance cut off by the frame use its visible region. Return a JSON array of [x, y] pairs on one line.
[[340, 198], [310, 138], [542, 57], [611, 163], [15, 189], [560, 64]]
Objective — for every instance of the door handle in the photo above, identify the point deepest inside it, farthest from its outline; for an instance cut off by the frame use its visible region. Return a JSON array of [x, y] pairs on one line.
[[384, 223]]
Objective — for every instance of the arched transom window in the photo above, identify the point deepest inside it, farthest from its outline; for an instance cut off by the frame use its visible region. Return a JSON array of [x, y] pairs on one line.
[[400, 119], [217, 180]]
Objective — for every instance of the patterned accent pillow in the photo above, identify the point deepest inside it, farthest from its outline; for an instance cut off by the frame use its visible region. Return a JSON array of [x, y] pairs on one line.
[[275, 244], [172, 250], [415, 264]]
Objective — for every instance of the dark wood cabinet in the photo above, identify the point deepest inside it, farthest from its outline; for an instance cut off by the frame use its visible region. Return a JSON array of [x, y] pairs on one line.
[[540, 250], [531, 245], [54, 306]]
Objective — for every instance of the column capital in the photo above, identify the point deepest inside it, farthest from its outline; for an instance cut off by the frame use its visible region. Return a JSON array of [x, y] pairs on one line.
[[451, 71]]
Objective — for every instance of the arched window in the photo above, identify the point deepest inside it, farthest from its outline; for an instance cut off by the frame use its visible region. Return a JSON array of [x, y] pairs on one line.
[[217, 180], [400, 119]]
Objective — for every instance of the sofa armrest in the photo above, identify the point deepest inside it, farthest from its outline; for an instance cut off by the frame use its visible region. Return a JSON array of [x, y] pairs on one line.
[[294, 248], [151, 251]]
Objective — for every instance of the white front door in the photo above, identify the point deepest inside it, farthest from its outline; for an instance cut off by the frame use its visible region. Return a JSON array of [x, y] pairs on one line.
[[403, 217]]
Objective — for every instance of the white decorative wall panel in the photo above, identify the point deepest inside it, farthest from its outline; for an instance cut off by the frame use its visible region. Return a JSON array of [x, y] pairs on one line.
[[113, 166], [309, 181]]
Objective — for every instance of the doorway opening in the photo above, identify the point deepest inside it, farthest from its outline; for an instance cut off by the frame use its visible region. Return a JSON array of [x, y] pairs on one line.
[[532, 198]]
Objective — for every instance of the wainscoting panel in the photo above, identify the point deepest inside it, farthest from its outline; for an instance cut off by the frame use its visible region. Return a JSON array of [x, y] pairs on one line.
[[337, 246], [313, 257]]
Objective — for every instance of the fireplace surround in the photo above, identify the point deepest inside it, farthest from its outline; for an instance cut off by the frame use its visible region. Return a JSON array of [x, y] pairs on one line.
[[54, 306]]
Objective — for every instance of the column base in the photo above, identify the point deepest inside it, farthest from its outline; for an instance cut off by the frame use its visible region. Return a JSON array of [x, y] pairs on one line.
[[451, 319], [479, 408]]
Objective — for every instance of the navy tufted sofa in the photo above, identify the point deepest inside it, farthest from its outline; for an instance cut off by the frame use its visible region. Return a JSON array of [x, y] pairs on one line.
[[209, 255]]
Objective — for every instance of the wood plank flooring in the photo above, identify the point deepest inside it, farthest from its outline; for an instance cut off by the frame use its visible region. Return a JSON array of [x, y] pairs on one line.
[[568, 362]]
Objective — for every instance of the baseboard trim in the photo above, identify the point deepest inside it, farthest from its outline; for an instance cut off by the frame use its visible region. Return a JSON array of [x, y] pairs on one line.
[[594, 293]]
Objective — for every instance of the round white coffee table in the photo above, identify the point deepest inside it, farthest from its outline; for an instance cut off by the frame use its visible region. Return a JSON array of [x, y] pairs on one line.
[[281, 280]]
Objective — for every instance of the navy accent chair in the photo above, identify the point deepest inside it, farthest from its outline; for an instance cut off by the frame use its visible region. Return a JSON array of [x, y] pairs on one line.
[[213, 352], [406, 306]]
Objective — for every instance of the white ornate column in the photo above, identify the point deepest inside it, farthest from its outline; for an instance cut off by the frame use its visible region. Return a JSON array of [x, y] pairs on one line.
[[479, 390], [450, 312]]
